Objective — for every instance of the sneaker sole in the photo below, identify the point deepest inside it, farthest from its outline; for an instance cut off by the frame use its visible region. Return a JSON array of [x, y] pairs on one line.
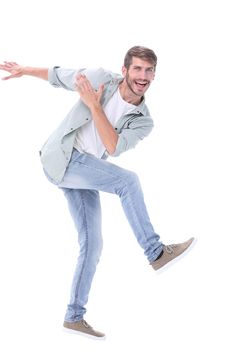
[[179, 257], [86, 335]]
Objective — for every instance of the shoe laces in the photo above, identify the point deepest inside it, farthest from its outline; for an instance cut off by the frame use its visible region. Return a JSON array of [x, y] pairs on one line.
[[170, 248], [85, 324]]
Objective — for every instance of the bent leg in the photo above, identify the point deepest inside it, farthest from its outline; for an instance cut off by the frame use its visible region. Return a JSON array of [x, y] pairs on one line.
[[88, 172]]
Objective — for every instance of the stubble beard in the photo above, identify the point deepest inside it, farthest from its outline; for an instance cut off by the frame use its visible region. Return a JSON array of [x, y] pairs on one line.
[[130, 86]]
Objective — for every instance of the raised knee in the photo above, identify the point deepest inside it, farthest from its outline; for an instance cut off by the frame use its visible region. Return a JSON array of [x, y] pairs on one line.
[[129, 182], [132, 180]]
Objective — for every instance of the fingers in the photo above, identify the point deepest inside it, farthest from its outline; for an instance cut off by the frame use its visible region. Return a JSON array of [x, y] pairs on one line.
[[87, 93], [101, 88], [99, 92], [8, 67], [10, 64], [4, 66], [82, 83], [13, 68], [10, 76], [79, 79], [6, 78]]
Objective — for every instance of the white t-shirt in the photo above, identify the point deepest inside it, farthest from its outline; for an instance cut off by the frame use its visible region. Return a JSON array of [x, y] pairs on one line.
[[87, 138]]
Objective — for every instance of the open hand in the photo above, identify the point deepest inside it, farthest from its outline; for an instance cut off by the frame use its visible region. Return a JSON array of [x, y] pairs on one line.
[[13, 68], [87, 93]]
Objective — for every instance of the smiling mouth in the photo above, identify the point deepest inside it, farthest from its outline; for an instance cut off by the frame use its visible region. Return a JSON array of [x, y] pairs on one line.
[[140, 84]]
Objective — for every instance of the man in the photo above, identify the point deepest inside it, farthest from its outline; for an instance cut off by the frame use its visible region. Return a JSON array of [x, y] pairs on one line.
[[109, 118]]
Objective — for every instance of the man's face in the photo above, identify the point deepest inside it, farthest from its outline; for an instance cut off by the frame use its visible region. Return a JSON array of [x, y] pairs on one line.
[[139, 76]]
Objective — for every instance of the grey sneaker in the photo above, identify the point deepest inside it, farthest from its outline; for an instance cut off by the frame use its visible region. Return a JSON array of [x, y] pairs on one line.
[[170, 252], [83, 328]]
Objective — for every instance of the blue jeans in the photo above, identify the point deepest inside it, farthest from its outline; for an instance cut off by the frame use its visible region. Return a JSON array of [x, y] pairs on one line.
[[85, 176]]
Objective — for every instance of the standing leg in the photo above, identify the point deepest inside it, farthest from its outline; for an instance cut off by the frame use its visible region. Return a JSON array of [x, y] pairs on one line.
[[84, 206]]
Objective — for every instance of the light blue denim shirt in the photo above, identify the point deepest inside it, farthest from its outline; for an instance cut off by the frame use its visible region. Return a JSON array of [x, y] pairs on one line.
[[131, 128]]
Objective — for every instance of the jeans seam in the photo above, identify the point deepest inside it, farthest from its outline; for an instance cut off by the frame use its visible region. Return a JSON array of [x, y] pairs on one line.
[[86, 251]]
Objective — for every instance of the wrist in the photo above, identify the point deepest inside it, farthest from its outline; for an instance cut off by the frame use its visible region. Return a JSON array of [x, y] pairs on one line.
[[35, 72], [26, 70], [95, 107]]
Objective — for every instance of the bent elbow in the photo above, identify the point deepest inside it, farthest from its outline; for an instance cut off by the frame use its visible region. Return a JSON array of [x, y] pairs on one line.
[[111, 150]]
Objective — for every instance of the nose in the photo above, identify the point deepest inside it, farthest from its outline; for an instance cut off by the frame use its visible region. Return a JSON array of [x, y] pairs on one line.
[[143, 74]]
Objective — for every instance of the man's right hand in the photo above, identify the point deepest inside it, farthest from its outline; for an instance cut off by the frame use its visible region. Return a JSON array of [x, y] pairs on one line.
[[13, 68], [17, 71]]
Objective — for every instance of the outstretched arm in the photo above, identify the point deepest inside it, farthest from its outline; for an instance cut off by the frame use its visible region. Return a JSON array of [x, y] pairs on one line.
[[17, 71]]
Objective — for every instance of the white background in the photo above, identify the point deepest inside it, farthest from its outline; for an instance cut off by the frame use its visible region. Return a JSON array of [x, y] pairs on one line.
[[184, 167]]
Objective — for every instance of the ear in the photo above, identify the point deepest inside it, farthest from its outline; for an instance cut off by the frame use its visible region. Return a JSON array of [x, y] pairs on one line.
[[124, 71]]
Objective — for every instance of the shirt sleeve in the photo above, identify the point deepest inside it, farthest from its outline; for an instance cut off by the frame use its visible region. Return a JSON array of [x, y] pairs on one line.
[[135, 132], [64, 78]]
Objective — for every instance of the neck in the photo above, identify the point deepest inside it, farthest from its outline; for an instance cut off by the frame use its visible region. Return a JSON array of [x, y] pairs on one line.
[[128, 95]]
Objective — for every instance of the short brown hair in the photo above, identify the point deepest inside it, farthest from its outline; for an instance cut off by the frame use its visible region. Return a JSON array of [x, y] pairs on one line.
[[141, 52]]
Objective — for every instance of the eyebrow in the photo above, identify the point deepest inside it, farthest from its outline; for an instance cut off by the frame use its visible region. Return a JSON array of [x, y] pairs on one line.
[[136, 66]]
